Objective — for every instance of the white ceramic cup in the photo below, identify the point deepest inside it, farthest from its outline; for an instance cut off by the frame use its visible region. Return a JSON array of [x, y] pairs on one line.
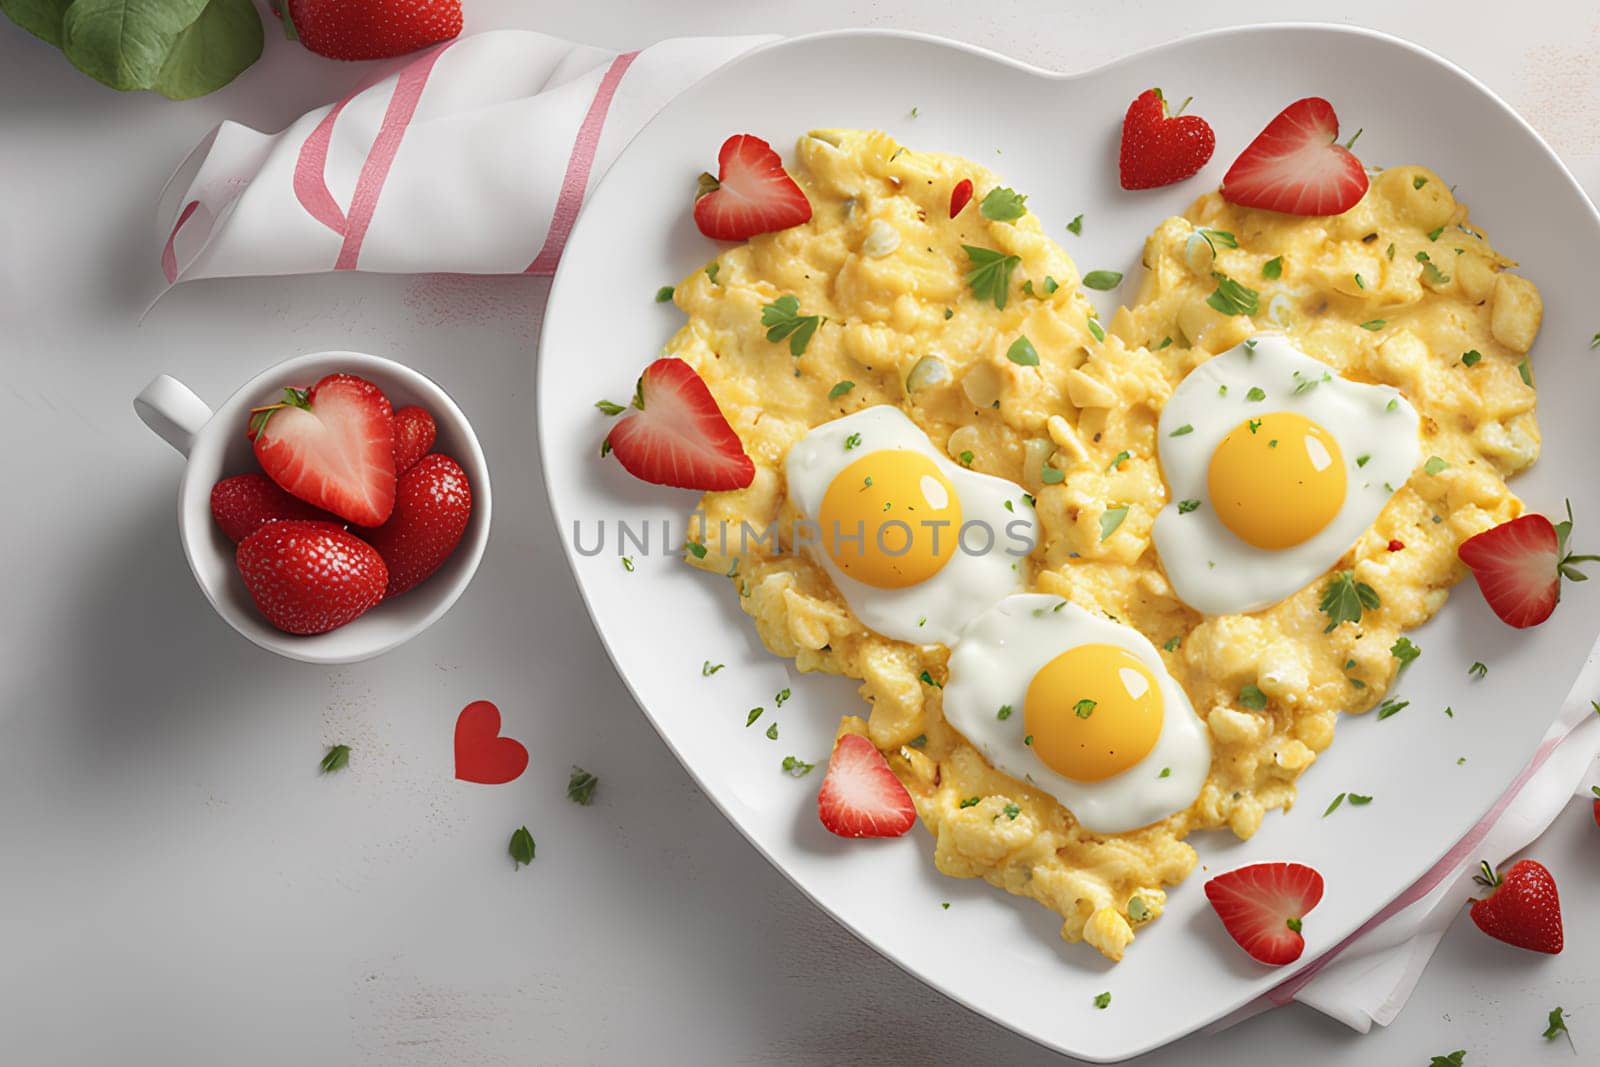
[[217, 448]]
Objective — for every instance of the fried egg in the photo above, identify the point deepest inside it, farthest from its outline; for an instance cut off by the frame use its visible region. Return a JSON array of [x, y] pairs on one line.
[[916, 544], [1080, 707], [1275, 467]]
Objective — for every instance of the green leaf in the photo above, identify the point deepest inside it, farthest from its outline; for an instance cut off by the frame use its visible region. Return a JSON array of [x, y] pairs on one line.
[[1433, 275], [1358, 800], [521, 847], [1172, 644], [1527, 375], [1096, 329], [1435, 465], [971, 802], [772, 732], [1004, 713], [211, 51], [1102, 280], [1103, 1000], [1216, 238], [608, 407], [1110, 519], [1334, 806], [840, 389], [1557, 1027], [1084, 708], [1186, 506], [1023, 353], [664, 294], [796, 768], [1272, 269], [990, 276], [1181, 431], [1470, 358], [752, 716], [1252, 697], [42, 18], [1231, 298], [695, 549], [1478, 670], [1374, 324], [337, 759], [1452, 1060], [1404, 651], [1076, 227], [707, 669], [1344, 598], [1256, 393], [1003, 205], [580, 787], [782, 697], [783, 320], [179, 48], [1120, 458], [1391, 707]]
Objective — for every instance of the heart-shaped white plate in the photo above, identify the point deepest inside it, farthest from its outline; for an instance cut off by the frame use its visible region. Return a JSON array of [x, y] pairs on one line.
[[1055, 137]]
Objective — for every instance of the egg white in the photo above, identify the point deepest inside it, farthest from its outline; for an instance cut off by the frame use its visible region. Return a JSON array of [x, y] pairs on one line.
[[933, 611], [1210, 567], [993, 664]]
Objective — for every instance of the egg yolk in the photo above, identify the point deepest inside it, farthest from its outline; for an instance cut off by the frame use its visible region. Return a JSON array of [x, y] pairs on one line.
[[891, 519], [1092, 712], [1277, 480]]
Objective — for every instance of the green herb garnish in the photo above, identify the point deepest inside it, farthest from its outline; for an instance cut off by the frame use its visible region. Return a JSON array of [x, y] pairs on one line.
[[783, 320]]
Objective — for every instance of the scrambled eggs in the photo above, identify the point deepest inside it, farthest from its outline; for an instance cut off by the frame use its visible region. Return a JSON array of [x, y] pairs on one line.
[[1401, 290]]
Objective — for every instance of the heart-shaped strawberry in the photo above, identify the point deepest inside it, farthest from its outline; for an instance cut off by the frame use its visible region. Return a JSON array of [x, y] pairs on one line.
[[332, 446], [1296, 165], [482, 755], [1159, 150]]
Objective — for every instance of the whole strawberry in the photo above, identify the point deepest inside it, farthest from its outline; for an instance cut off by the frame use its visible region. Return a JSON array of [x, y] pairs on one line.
[[1159, 149], [373, 29], [431, 509], [246, 502], [414, 433], [310, 577], [1522, 908]]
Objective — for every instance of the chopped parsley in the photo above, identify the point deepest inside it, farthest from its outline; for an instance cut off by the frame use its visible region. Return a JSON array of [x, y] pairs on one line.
[[1100, 333], [1076, 227], [664, 294], [337, 759], [1333, 807], [1363, 459], [1110, 519], [1022, 352], [1182, 431], [1404, 651], [1217, 237], [852, 441], [839, 389], [1084, 708], [1344, 599], [1358, 800], [707, 669], [1359, 283], [1252, 697], [695, 549], [1102, 280], [971, 802], [782, 697], [1003, 205], [1051, 475], [1103, 1000], [1433, 275], [1478, 670], [920, 741], [627, 564], [711, 271], [1557, 1027], [1231, 298], [1374, 324], [1433, 235], [1004, 713], [1121, 458], [608, 407], [782, 319], [1256, 393], [966, 458], [1172, 644], [990, 276], [1468, 359], [1418, 182], [755, 713], [796, 768], [1010, 811], [1272, 269], [521, 848], [1452, 1060], [1435, 465], [1050, 285], [928, 679], [580, 787], [1527, 375], [1166, 772], [1391, 707], [1165, 341], [1186, 506]]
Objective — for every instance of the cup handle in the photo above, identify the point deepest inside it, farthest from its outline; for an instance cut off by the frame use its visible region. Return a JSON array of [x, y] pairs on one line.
[[171, 409]]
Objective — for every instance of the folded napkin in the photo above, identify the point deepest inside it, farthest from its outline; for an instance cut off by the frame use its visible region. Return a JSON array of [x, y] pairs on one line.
[[475, 156]]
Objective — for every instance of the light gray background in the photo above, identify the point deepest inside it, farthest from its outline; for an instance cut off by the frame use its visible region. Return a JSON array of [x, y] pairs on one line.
[[177, 885]]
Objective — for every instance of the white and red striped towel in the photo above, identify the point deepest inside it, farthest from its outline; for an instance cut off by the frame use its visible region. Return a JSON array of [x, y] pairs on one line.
[[475, 156]]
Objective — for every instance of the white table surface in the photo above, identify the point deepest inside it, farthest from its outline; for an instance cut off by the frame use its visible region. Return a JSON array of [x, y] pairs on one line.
[[177, 884]]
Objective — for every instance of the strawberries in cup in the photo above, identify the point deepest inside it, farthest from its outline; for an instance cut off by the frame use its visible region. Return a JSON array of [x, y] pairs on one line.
[[351, 505]]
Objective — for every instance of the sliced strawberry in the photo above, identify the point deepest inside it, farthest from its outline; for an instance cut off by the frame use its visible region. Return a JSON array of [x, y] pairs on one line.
[[332, 446], [960, 196], [678, 436], [246, 502], [414, 434], [751, 193], [1296, 166], [1522, 908], [431, 509], [1261, 907], [1519, 565], [310, 577], [860, 796], [1595, 789], [1159, 150]]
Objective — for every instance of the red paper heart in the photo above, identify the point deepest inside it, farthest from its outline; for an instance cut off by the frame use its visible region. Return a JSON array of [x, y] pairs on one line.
[[482, 755]]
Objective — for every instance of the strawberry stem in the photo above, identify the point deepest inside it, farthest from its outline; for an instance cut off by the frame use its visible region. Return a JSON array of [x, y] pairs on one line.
[[1293, 924], [1487, 877]]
